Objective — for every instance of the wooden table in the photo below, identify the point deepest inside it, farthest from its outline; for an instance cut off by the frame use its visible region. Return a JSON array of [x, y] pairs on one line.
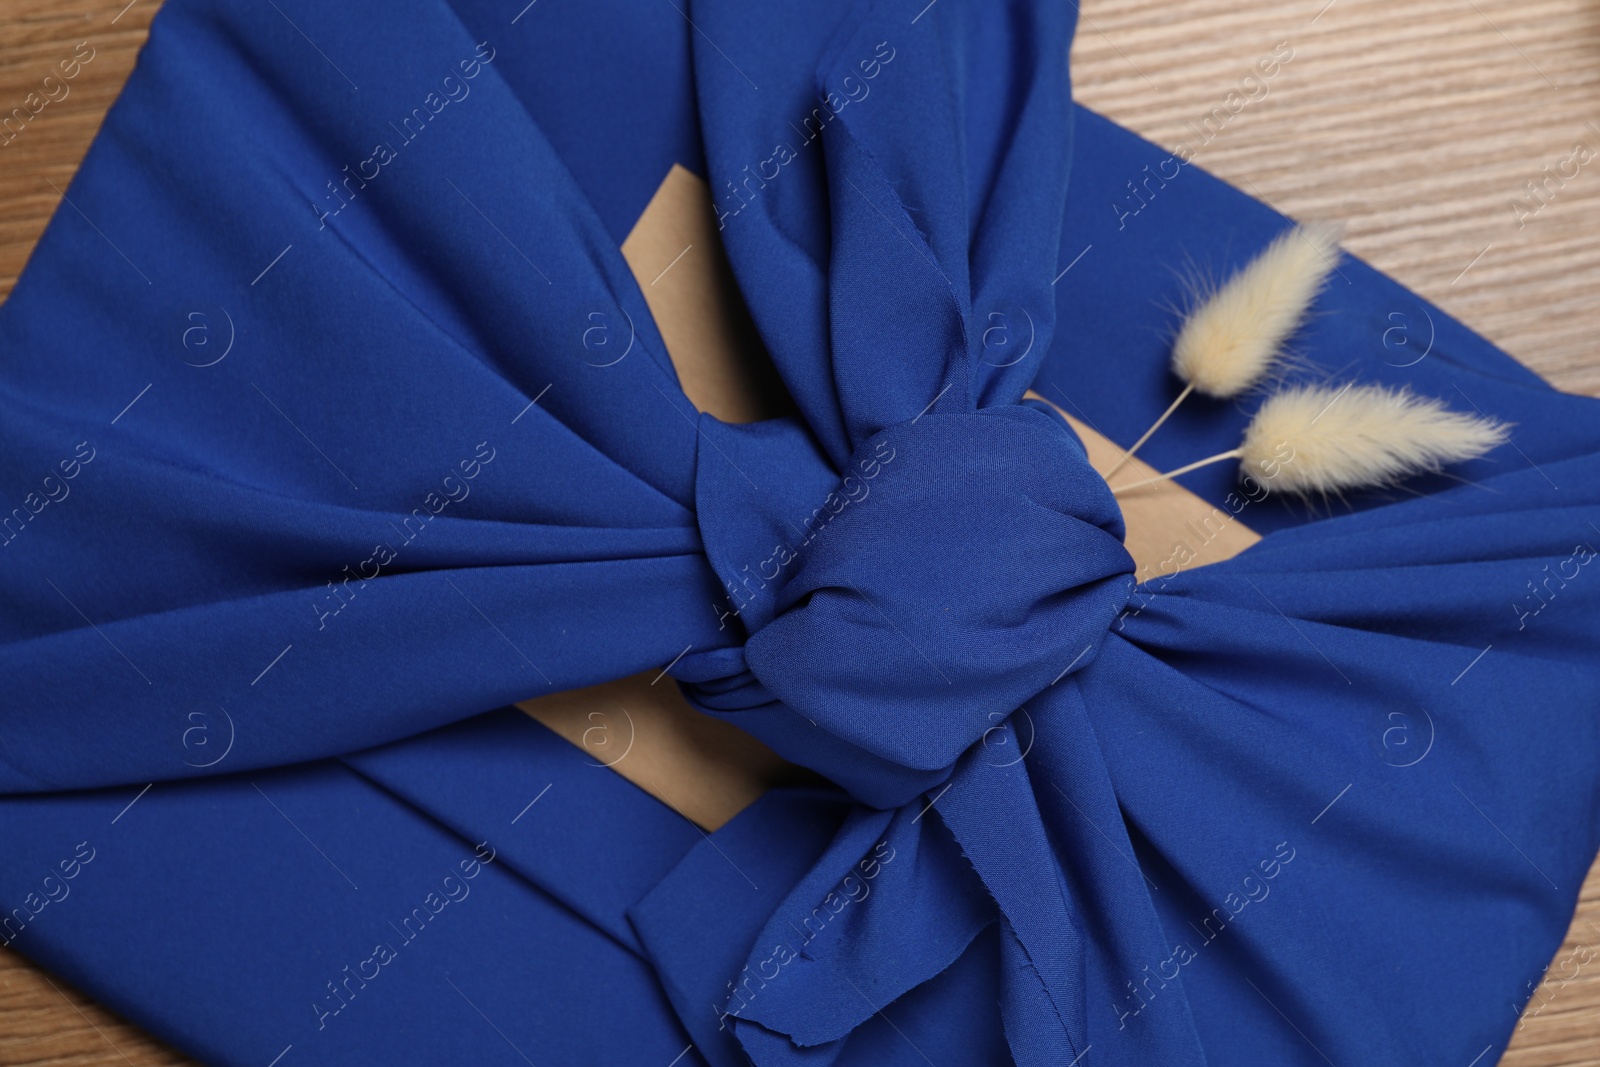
[[1418, 123]]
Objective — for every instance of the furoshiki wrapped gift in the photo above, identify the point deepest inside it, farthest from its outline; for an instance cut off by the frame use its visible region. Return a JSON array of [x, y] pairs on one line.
[[969, 769]]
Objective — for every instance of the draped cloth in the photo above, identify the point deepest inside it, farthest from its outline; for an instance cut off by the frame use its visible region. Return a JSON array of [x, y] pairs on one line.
[[315, 339]]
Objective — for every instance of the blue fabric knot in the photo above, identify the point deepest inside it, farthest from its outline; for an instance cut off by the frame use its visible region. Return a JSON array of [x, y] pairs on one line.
[[900, 608]]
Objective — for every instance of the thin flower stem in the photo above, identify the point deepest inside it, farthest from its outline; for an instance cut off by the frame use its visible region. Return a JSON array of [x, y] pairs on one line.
[[1165, 415], [1232, 453]]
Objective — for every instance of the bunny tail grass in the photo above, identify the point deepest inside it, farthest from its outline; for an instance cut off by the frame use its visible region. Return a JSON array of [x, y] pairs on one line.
[[1235, 336], [1232, 453], [1154, 426], [1314, 439]]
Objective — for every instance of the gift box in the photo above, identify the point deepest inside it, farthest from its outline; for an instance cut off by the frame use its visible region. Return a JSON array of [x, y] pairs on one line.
[[960, 849]]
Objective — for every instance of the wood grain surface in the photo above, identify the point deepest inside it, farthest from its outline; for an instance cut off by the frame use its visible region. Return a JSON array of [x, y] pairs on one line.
[[1417, 123]]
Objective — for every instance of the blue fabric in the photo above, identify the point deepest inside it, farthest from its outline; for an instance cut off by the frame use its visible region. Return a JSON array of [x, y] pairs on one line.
[[316, 467]]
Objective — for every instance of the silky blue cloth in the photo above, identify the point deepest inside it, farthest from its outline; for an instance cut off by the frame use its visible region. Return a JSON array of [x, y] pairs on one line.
[[335, 422]]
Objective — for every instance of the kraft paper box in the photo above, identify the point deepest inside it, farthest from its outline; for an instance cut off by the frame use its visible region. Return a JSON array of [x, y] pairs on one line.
[[641, 727]]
